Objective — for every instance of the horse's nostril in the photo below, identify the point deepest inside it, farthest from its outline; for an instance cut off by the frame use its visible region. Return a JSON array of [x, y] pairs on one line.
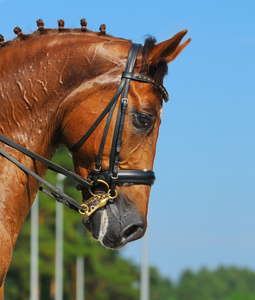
[[133, 232], [128, 232]]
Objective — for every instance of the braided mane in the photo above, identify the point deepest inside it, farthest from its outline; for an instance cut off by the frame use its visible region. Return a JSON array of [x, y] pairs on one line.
[[156, 72], [61, 29]]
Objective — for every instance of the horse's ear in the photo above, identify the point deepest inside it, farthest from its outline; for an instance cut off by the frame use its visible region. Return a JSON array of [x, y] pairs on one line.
[[169, 49]]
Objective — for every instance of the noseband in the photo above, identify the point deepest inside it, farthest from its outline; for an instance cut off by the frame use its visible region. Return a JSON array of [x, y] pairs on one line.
[[112, 177]]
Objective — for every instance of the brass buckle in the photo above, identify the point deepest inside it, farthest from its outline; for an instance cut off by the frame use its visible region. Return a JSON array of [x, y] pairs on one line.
[[88, 209]]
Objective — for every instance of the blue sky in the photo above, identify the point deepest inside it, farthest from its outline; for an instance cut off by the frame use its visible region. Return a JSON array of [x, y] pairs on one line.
[[202, 205]]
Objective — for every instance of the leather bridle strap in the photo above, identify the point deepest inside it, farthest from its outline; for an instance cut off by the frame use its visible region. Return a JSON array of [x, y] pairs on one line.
[[48, 163], [122, 86], [118, 132], [99, 119], [55, 193], [147, 79], [126, 177], [129, 66]]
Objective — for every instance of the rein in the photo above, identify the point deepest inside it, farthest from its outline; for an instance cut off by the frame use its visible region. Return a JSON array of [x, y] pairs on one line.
[[55, 193], [111, 178]]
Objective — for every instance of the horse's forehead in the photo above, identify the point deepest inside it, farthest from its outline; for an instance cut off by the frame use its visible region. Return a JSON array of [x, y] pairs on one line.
[[145, 97]]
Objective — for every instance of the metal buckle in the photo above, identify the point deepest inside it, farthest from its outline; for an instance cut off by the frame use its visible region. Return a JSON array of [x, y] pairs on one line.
[[114, 178], [124, 101], [97, 170], [88, 209]]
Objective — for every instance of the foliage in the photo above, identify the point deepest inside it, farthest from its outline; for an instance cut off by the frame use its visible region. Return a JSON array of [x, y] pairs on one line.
[[222, 284], [160, 287]]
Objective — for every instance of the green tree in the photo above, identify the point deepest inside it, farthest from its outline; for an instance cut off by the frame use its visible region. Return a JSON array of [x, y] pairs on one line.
[[160, 287], [221, 284]]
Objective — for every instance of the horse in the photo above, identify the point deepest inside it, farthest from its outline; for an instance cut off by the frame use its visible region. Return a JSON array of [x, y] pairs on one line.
[[102, 98]]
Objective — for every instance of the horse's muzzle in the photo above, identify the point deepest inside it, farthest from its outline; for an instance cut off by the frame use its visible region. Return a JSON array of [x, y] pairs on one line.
[[116, 224]]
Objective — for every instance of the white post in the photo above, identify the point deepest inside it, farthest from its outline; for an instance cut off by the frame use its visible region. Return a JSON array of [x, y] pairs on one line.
[[34, 274], [80, 278], [59, 243], [144, 281]]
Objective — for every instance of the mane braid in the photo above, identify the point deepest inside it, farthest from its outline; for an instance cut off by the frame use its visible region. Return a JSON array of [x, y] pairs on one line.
[[42, 31]]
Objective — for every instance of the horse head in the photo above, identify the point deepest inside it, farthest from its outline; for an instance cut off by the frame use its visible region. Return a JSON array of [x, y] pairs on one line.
[[119, 149]]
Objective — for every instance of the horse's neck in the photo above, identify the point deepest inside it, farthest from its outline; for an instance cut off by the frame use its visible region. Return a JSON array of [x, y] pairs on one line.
[[30, 95], [29, 100], [32, 91], [27, 116]]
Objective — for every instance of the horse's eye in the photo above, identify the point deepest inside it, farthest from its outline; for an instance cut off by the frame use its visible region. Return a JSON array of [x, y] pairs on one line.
[[142, 120]]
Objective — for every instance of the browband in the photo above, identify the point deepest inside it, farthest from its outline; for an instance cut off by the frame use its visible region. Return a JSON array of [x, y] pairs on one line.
[[147, 79]]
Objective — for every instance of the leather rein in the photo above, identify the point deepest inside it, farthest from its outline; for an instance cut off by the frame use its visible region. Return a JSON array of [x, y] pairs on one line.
[[111, 178]]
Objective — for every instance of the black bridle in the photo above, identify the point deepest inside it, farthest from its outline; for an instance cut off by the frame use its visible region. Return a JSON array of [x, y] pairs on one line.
[[113, 176]]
